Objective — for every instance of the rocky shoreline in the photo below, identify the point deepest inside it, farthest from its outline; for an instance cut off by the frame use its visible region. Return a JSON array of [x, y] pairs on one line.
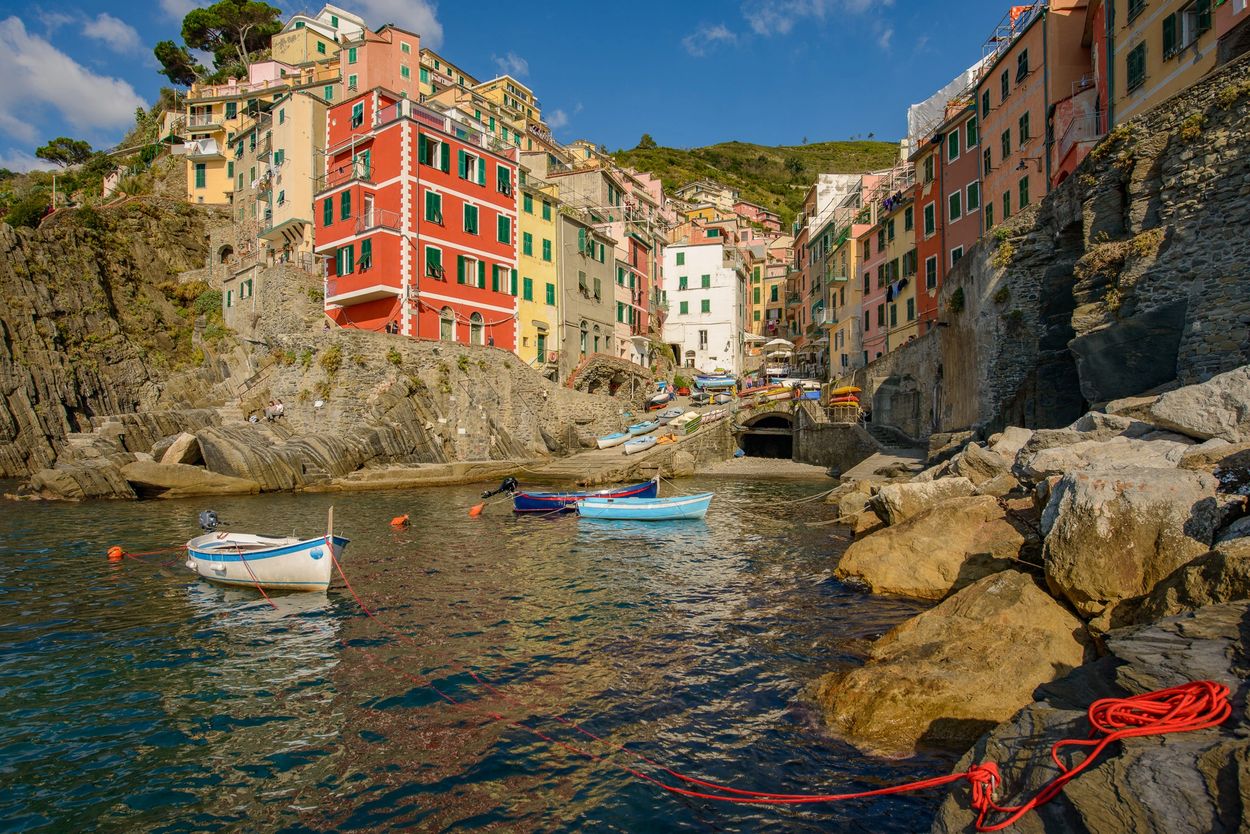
[[1110, 557]]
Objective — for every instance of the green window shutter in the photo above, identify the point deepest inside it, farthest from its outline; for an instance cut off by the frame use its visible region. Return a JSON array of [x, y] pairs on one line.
[[513, 285], [462, 160], [460, 269], [681, 282], [546, 249], [329, 93], [681, 258], [404, 72], [444, 157], [952, 145], [345, 205], [366, 253], [683, 307], [425, 76], [481, 171], [201, 174], [494, 278], [505, 229], [705, 306], [351, 55], [481, 275], [546, 210], [972, 136], [551, 295], [433, 260], [230, 169], [503, 180], [327, 211], [527, 289], [232, 109], [527, 203], [527, 243], [705, 281], [423, 148], [581, 240], [756, 298]]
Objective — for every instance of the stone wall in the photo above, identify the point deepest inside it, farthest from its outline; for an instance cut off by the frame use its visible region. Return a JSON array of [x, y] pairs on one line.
[[901, 389], [833, 445]]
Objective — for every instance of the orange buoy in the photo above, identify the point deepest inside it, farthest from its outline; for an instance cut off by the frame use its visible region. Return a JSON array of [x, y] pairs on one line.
[[116, 554], [476, 510], [400, 520]]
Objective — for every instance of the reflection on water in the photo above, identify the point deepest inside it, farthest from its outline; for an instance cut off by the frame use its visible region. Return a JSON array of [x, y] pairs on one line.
[[135, 697]]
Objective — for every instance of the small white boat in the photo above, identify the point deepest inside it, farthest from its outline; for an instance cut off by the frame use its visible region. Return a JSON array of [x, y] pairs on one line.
[[646, 509], [273, 562], [687, 423], [721, 399], [668, 415], [715, 415], [639, 444], [645, 427], [610, 440]]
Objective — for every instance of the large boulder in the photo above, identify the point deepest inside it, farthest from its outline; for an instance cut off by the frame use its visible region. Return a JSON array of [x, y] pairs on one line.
[[1219, 407], [184, 448], [1010, 441], [1223, 575], [950, 674], [943, 549], [77, 481], [1112, 535], [1115, 453], [895, 503], [979, 464], [1181, 782], [178, 480]]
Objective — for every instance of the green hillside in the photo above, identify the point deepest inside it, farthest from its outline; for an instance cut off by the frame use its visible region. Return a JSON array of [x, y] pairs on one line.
[[776, 177]]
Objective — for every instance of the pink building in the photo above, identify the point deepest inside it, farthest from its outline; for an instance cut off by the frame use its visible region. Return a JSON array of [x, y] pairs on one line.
[[754, 213], [871, 261], [389, 58]]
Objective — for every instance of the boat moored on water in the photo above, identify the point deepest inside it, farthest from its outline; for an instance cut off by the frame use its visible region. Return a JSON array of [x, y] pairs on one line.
[[610, 440], [639, 444], [281, 563], [547, 502], [646, 509]]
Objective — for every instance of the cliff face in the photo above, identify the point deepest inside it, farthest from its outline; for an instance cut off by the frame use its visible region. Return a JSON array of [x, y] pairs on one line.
[[85, 328], [1133, 273]]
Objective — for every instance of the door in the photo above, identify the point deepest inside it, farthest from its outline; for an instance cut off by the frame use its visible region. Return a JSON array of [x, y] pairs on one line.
[[368, 211], [542, 348]]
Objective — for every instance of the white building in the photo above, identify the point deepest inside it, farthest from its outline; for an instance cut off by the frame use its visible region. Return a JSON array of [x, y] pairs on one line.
[[705, 285]]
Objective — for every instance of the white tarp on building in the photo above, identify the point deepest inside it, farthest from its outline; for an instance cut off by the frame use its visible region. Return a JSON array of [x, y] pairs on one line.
[[922, 118]]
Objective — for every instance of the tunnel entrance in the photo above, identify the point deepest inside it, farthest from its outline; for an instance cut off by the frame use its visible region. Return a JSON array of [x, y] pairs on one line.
[[769, 437]]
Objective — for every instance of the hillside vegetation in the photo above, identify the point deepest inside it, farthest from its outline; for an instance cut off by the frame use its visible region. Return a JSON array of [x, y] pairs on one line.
[[775, 177]]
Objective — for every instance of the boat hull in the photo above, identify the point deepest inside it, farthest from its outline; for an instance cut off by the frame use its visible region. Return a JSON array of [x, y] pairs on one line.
[[608, 441], [547, 502], [639, 429], [646, 509], [274, 563], [639, 444]]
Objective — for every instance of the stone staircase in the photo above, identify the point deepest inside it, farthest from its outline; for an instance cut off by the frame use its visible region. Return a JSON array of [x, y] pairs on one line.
[[890, 437]]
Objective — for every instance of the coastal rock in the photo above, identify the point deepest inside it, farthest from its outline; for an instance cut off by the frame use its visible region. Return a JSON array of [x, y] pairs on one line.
[[1181, 782], [1219, 407], [1113, 535], [1099, 426], [1222, 575], [999, 486], [1239, 529], [850, 500], [895, 503], [944, 677], [683, 465], [945, 445], [1137, 408], [81, 480], [179, 480], [978, 464], [249, 452], [943, 549], [865, 523], [1010, 441], [1115, 453], [184, 448]]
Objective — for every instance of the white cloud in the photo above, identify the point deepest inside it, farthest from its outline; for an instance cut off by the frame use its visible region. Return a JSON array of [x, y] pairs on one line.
[[38, 75], [778, 17], [707, 37], [557, 119], [21, 162], [512, 64], [420, 16], [54, 20], [178, 9], [883, 40], [117, 35]]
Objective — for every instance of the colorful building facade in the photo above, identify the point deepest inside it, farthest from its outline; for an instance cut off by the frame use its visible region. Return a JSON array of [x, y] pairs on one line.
[[539, 292]]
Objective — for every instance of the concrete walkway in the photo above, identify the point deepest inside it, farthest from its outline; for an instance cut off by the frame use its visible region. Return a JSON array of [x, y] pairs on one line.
[[866, 470]]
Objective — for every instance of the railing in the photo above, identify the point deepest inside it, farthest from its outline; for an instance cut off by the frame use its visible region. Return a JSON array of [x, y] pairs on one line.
[[265, 146], [793, 299], [1083, 128], [345, 172], [203, 120], [379, 219]]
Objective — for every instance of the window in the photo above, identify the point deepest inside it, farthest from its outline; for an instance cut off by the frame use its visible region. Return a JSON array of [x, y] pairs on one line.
[[425, 76], [232, 109], [351, 55], [230, 169], [201, 174], [527, 289], [471, 168], [867, 321], [683, 307], [334, 21], [581, 241], [351, 81], [702, 340], [930, 272], [1006, 204], [471, 271], [434, 207], [880, 315], [405, 48], [1004, 83], [546, 250], [889, 228], [327, 210], [909, 263], [971, 136], [985, 103], [366, 254], [928, 168], [705, 281], [1135, 8], [503, 180], [434, 263], [329, 93], [1024, 191], [911, 309], [404, 72], [321, 48], [682, 282], [1136, 66], [345, 260], [772, 294], [546, 210], [527, 203], [909, 217], [952, 146], [989, 216], [713, 232], [681, 258], [987, 161], [551, 295], [1005, 142], [973, 200], [954, 204], [1022, 65], [1024, 129], [1169, 36], [281, 198], [880, 240], [755, 296], [476, 329], [345, 205], [582, 343], [893, 315], [527, 243], [504, 229], [930, 220], [956, 254]]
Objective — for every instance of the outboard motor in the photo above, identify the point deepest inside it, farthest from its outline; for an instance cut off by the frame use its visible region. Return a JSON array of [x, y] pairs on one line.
[[208, 520], [509, 484]]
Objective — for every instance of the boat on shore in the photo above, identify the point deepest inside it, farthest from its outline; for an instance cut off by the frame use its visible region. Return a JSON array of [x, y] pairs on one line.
[[547, 502], [639, 444], [668, 415], [644, 427], [715, 416], [721, 399], [646, 509], [687, 423], [278, 563], [610, 440]]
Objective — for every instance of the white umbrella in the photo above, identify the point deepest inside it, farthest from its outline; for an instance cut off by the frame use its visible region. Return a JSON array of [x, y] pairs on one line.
[[779, 354], [782, 344]]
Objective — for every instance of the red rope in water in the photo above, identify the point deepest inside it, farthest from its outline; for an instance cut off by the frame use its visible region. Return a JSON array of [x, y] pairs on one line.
[[1192, 706]]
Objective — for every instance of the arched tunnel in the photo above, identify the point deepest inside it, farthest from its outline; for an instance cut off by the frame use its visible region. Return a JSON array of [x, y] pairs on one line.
[[768, 436]]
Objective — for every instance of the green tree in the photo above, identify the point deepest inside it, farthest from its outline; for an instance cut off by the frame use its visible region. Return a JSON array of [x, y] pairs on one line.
[[177, 64], [232, 30], [646, 143], [65, 151]]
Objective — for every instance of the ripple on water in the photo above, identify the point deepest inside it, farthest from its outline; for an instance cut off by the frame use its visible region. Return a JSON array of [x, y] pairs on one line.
[[133, 698]]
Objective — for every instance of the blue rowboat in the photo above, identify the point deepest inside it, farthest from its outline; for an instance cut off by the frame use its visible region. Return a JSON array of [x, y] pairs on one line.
[[548, 502], [277, 563], [610, 440], [644, 427], [646, 509], [639, 444]]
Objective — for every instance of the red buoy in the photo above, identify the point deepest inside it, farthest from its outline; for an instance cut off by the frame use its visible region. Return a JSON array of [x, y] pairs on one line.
[[400, 520], [116, 554]]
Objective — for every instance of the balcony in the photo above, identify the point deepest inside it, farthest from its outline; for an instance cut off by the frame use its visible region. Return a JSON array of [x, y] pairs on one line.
[[379, 219], [793, 300], [346, 290], [204, 121], [353, 170], [265, 146], [1083, 128]]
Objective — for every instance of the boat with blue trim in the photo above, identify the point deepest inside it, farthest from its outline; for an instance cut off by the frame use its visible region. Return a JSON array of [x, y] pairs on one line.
[[614, 439], [274, 562], [646, 509], [548, 502], [645, 427], [639, 444]]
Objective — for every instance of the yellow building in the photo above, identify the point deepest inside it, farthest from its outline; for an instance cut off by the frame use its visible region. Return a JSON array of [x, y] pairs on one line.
[[437, 74], [310, 39], [1157, 50], [538, 291], [902, 323], [846, 292]]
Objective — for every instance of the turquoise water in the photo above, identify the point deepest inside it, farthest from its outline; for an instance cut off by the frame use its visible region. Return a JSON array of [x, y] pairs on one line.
[[134, 697]]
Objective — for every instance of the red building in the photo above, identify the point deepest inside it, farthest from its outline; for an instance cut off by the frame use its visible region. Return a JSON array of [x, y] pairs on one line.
[[417, 216]]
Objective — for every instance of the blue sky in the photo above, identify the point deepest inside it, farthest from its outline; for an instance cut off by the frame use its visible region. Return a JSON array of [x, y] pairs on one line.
[[687, 72]]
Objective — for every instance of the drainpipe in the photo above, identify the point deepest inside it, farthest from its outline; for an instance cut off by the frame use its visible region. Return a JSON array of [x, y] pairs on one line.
[[1109, 62], [1047, 131]]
